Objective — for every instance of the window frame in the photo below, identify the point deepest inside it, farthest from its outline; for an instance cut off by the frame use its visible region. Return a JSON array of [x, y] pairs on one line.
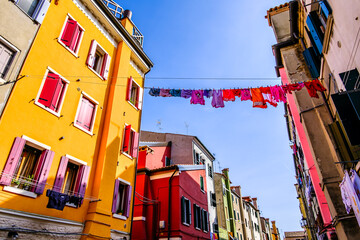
[[186, 218], [79, 39], [129, 197], [132, 140], [39, 11], [106, 61], [204, 220], [87, 96], [15, 52], [202, 185], [62, 97], [138, 102]]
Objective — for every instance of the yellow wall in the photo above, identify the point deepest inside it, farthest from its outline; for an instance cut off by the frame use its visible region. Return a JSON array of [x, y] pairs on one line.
[[23, 117]]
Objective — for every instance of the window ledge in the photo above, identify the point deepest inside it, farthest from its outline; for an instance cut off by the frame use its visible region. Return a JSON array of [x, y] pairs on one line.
[[118, 216], [57, 114], [67, 48], [96, 73], [127, 155], [186, 224], [84, 130], [20, 191], [203, 191], [133, 105], [71, 205]]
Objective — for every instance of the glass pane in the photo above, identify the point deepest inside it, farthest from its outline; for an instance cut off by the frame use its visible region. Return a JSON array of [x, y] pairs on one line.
[[28, 6]]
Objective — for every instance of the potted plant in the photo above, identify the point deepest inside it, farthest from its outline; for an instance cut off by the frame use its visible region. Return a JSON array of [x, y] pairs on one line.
[[15, 182], [28, 182]]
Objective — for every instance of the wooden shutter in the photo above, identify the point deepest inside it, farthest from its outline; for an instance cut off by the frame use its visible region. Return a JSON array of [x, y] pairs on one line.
[[57, 96], [12, 161], [126, 138], [69, 32], [116, 195], [140, 97], [45, 168], [91, 57], [50, 86], [88, 115], [189, 207], [128, 92], [59, 180], [40, 11], [105, 67], [84, 180], [183, 210], [5, 59], [128, 201], [135, 144], [80, 119], [75, 38]]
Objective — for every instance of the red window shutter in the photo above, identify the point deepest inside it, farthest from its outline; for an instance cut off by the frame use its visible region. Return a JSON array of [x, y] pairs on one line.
[[140, 96], [12, 161], [44, 172], [128, 92], [91, 57], [116, 195], [89, 115], [75, 38], [80, 119], [59, 180], [84, 180], [69, 32], [48, 90], [128, 201], [57, 97], [105, 67], [126, 138], [135, 144]]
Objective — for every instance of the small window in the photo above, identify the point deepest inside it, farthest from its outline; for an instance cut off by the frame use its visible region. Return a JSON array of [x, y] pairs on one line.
[[210, 171], [85, 115], [36, 9], [122, 198], [6, 56], [213, 199], [134, 94], [238, 216], [130, 142], [201, 183], [52, 92], [71, 35], [27, 166], [197, 217], [185, 211], [98, 60], [167, 161], [205, 220]]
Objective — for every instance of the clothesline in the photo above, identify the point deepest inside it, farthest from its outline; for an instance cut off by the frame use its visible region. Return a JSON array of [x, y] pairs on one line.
[[260, 96]]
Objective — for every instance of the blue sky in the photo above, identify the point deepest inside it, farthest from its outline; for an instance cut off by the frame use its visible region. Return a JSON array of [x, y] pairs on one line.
[[207, 42]]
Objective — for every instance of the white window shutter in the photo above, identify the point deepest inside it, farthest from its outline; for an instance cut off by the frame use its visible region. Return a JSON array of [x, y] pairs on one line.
[[91, 57], [140, 98], [106, 66], [40, 11]]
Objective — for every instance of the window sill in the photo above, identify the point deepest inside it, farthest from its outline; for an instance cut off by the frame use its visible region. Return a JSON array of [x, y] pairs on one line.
[[118, 216], [71, 205], [84, 130], [133, 106], [186, 224], [67, 48], [20, 191], [203, 191], [127, 155], [96, 73], [57, 114]]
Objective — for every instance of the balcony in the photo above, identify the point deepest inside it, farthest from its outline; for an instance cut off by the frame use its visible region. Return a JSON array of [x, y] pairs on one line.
[[118, 12]]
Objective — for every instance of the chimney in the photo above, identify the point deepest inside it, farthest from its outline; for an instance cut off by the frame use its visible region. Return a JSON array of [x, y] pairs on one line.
[[127, 14], [255, 203]]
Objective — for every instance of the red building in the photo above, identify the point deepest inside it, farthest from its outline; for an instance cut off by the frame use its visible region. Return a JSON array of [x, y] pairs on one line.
[[171, 200]]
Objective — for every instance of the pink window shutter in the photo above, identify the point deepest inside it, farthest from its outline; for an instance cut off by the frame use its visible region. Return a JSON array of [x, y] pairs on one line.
[[44, 172], [140, 98], [48, 89], [80, 119], [106, 67], [55, 101], [116, 195], [91, 57], [84, 180], [75, 38], [135, 145], [69, 31], [89, 115], [12, 161], [128, 91], [128, 201], [38, 168], [78, 180], [126, 138], [59, 180]]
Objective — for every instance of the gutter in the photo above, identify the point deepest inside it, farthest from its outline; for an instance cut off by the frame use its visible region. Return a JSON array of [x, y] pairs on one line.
[[293, 17], [169, 209]]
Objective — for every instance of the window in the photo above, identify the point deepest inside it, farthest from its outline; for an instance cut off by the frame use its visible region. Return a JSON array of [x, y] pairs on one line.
[[27, 166], [134, 94], [130, 142], [197, 217], [71, 35], [86, 112], [52, 92], [72, 176], [36, 9], [167, 161], [213, 199], [204, 220], [98, 60], [122, 198], [201, 183], [6, 56], [238, 216], [210, 171], [185, 211]]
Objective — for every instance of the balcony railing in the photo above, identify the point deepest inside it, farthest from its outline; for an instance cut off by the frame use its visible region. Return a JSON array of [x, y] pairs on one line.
[[118, 12]]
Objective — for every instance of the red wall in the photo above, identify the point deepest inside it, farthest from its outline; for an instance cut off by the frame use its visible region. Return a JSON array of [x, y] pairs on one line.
[[157, 158]]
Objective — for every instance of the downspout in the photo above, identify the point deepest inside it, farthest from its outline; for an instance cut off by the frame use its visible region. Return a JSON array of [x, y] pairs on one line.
[[169, 208]]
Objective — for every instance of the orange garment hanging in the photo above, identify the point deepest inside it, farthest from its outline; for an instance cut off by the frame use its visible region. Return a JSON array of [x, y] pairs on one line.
[[257, 98]]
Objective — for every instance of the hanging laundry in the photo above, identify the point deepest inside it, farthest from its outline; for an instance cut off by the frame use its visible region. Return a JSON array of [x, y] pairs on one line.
[[228, 95], [186, 93], [56, 200], [278, 93], [175, 92], [77, 201], [349, 190], [217, 100], [257, 98], [236, 92], [197, 97], [154, 92], [208, 93], [355, 179], [245, 94], [165, 93], [345, 197], [267, 96], [314, 86]]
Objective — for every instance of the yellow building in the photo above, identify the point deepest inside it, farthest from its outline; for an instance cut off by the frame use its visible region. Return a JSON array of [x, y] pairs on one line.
[[69, 132]]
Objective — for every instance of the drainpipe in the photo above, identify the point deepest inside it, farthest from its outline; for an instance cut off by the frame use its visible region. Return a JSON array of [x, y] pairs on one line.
[[169, 209]]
